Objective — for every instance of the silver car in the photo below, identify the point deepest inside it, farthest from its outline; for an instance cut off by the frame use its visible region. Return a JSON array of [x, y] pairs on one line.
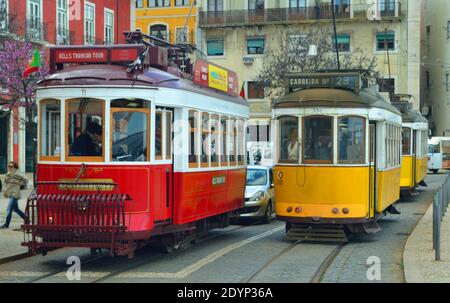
[[259, 194]]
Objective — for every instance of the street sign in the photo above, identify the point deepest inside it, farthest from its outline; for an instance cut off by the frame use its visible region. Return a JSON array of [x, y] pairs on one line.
[[324, 80]]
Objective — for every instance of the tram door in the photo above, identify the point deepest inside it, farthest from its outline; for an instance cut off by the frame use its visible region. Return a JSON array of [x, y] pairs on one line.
[[372, 168], [163, 205], [414, 156]]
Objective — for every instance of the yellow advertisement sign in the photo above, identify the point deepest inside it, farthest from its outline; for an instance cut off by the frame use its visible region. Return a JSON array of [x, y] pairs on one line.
[[218, 78]]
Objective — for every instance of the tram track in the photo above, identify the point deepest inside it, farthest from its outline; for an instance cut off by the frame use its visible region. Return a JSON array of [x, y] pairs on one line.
[[318, 275], [102, 256]]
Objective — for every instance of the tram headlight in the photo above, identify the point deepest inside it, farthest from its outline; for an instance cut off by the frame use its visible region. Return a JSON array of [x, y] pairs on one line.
[[258, 196]]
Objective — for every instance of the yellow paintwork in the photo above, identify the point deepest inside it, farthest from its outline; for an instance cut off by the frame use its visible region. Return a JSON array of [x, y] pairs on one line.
[[173, 17], [317, 190], [421, 169], [388, 188], [406, 180]]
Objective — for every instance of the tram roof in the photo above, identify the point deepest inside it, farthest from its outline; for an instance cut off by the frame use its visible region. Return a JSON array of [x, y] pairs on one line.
[[409, 115], [333, 97], [117, 75]]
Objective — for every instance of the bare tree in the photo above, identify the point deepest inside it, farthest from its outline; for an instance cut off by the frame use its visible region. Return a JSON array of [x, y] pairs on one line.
[[308, 52]]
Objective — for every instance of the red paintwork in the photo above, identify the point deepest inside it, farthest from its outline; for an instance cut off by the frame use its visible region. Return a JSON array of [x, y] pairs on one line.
[[195, 197], [121, 8]]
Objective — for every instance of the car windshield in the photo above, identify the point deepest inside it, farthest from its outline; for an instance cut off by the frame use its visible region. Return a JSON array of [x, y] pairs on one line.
[[256, 177]]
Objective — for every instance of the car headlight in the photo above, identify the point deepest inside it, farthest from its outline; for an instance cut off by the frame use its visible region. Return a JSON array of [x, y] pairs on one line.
[[258, 196]]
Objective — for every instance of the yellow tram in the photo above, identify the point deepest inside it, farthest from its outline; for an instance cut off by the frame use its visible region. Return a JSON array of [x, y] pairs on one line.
[[414, 145], [338, 156]]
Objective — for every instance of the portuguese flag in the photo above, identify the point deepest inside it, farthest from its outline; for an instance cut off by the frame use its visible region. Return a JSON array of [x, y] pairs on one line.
[[34, 64], [242, 93]]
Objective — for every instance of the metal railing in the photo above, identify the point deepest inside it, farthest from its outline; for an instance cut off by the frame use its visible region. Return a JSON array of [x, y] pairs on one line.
[[323, 11], [36, 30], [440, 205]]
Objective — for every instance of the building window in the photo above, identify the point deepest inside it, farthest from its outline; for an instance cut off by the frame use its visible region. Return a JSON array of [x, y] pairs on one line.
[[255, 90], [215, 5], [182, 2], [351, 140], [448, 29], [388, 86], [89, 23], [159, 31], [139, 3], [158, 3], [387, 5], [256, 4], [34, 23], [318, 140], [385, 41], [181, 33], [215, 47], [255, 46], [297, 3], [62, 29], [258, 133], [4, 14], [109, 27], [289, 144], [343, 42]]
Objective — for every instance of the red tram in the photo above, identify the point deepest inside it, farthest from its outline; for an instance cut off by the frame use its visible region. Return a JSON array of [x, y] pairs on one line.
[[135, 144]]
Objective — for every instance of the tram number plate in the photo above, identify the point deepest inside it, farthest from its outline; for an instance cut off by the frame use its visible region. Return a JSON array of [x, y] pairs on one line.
[[218, 180]]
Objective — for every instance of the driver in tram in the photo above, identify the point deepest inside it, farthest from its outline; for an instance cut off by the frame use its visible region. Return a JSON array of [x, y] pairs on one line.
[[89, 142]]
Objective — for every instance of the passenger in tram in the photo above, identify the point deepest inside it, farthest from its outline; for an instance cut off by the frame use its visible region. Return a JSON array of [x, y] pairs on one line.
[[323, 146], [88, 143], [293, 145]]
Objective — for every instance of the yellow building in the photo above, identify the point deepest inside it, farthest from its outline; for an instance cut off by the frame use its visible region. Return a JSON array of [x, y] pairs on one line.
[[171, 20]]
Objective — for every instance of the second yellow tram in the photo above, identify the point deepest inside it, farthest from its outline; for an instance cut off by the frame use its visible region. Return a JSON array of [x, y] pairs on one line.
[[414, 145], [338, 157]]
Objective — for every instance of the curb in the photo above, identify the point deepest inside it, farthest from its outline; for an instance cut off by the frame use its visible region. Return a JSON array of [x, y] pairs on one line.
[[411, 260]]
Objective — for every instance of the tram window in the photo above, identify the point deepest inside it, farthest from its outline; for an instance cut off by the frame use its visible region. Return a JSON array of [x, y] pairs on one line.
[[351, 138], [168, 135], [130, 134], [231, 145], [158, 135], [406, 141], [206, 131], [289, 140], [193, 138], [85, 128], [241, 142], [224, 143], [214, 140], [318, 140], [50, 129]]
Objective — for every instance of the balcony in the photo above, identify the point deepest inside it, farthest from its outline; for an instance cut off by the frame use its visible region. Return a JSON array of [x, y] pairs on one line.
[[324, 11], [36, 30]]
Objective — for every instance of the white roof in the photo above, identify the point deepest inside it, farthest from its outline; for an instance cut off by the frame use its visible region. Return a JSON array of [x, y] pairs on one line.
[[437, 140]]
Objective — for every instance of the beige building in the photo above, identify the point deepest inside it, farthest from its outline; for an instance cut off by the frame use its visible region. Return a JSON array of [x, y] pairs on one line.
[[436, 63], [238, 34]]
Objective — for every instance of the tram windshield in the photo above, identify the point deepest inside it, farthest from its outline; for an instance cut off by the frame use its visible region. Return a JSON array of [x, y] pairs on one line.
[[289, 140], [351, 138], [318, 139], [85, 127]]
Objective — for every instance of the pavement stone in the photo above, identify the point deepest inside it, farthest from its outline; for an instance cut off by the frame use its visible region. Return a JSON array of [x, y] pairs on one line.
[[11, 239], [419, 257]]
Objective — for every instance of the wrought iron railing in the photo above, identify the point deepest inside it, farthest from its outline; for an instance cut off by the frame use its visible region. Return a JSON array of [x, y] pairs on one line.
[[293, 15], [35, 30]]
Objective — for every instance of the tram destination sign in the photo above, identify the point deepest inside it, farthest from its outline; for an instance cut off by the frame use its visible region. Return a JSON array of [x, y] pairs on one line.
[[324, 80]]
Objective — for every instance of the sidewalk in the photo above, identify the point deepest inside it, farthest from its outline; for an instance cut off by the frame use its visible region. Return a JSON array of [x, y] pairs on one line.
[[418, 257], [10, 239]]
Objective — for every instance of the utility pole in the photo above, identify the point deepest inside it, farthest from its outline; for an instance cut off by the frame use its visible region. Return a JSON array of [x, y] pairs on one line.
[[335, 36]]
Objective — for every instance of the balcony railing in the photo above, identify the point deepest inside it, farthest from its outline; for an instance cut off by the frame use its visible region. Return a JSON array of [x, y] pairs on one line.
[[294, 15], [36, 30]]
